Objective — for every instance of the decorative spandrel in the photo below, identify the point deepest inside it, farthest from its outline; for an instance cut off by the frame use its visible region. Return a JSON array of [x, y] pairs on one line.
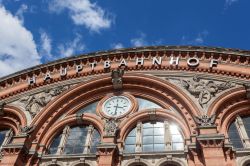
[[205, 120], [26, 129], [34, 103], [204, 90], [110, 127]]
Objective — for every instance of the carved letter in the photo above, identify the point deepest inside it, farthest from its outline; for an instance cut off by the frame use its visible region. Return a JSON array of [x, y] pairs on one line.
[[193, 62], [156, 61], [78, 68], [47, 76], [213, 63], [93, 65], [174, 61], [106, 64], [123, 63], [31, 80], [63, 71], [139, 61]]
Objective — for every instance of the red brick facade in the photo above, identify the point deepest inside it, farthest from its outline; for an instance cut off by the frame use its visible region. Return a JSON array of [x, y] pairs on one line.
[[203, 91]]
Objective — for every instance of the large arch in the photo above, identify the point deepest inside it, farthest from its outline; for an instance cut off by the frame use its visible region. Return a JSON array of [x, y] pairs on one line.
[[227, 106], [13, 118], [71, 99]]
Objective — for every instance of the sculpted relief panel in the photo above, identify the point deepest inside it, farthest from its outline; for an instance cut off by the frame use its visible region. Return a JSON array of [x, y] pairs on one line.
[[35, 102], [203, 90]]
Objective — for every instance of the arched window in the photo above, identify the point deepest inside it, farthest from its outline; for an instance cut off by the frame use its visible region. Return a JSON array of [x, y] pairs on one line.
[[234, 136], [91, 108], [146, 104], [75, 140], [5, 138], [154, 136], [239, 132]]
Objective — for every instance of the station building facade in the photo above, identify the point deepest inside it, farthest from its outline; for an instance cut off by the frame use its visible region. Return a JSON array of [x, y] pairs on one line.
[[148, 106]]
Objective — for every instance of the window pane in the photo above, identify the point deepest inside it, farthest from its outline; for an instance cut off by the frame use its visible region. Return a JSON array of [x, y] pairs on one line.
[[2, 136], [95, 141], [246, 121], [130, 148], [68, 150], [147, 148], [76, 140], [53, 150], [177, 138], [174, 129], [153, 137], [158, 139], [158, 131], [148, 125], [159, 124], [148, 131], [55, 144], [132, 132], [147, 140], [159, 147], [89, 108], [146, 104], [78, 150], [130, 140], [178, 146], [234, 136]]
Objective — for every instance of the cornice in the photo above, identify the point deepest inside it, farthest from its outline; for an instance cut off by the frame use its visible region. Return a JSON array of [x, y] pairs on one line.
[[232, 62], [98, 54]]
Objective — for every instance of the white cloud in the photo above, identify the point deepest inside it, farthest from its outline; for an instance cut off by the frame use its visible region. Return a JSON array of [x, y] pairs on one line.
[[45, 45], [230, 2], [23, 8], [117, 45], [139, 41], [17, 47], [83, 12], [70, 48], [199, 39]]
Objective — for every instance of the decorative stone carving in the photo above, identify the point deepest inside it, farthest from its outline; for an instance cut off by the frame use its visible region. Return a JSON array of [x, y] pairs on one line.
[[34, 103], [247, 87], [204, 90], [110, 127], [117, 78], [2, 104], [79, 119], [152, 114], [205, 120], [26, 129]]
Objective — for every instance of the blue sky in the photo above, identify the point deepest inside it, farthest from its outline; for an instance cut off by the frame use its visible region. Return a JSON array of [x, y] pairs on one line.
[[34, 32]]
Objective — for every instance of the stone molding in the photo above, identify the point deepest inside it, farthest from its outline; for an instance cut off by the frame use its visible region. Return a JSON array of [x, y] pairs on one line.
[[232, 64], [204, 90]]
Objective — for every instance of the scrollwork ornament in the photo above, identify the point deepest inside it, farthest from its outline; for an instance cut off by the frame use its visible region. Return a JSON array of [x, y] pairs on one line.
[[204, 90], [34, 103], [110, 127], [26, 129], [2, 104], [117, 78], [205, 120]]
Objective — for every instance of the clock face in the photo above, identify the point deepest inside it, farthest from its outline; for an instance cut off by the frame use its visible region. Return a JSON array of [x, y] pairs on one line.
[[116, 106]]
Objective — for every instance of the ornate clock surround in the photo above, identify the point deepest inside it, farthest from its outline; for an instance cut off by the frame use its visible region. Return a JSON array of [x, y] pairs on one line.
[[133, 107]]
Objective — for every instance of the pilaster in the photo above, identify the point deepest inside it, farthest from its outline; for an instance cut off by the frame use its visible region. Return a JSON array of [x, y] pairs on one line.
[[212, 147]]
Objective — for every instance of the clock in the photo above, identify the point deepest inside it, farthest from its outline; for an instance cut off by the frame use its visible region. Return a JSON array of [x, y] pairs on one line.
[[116, 106]]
